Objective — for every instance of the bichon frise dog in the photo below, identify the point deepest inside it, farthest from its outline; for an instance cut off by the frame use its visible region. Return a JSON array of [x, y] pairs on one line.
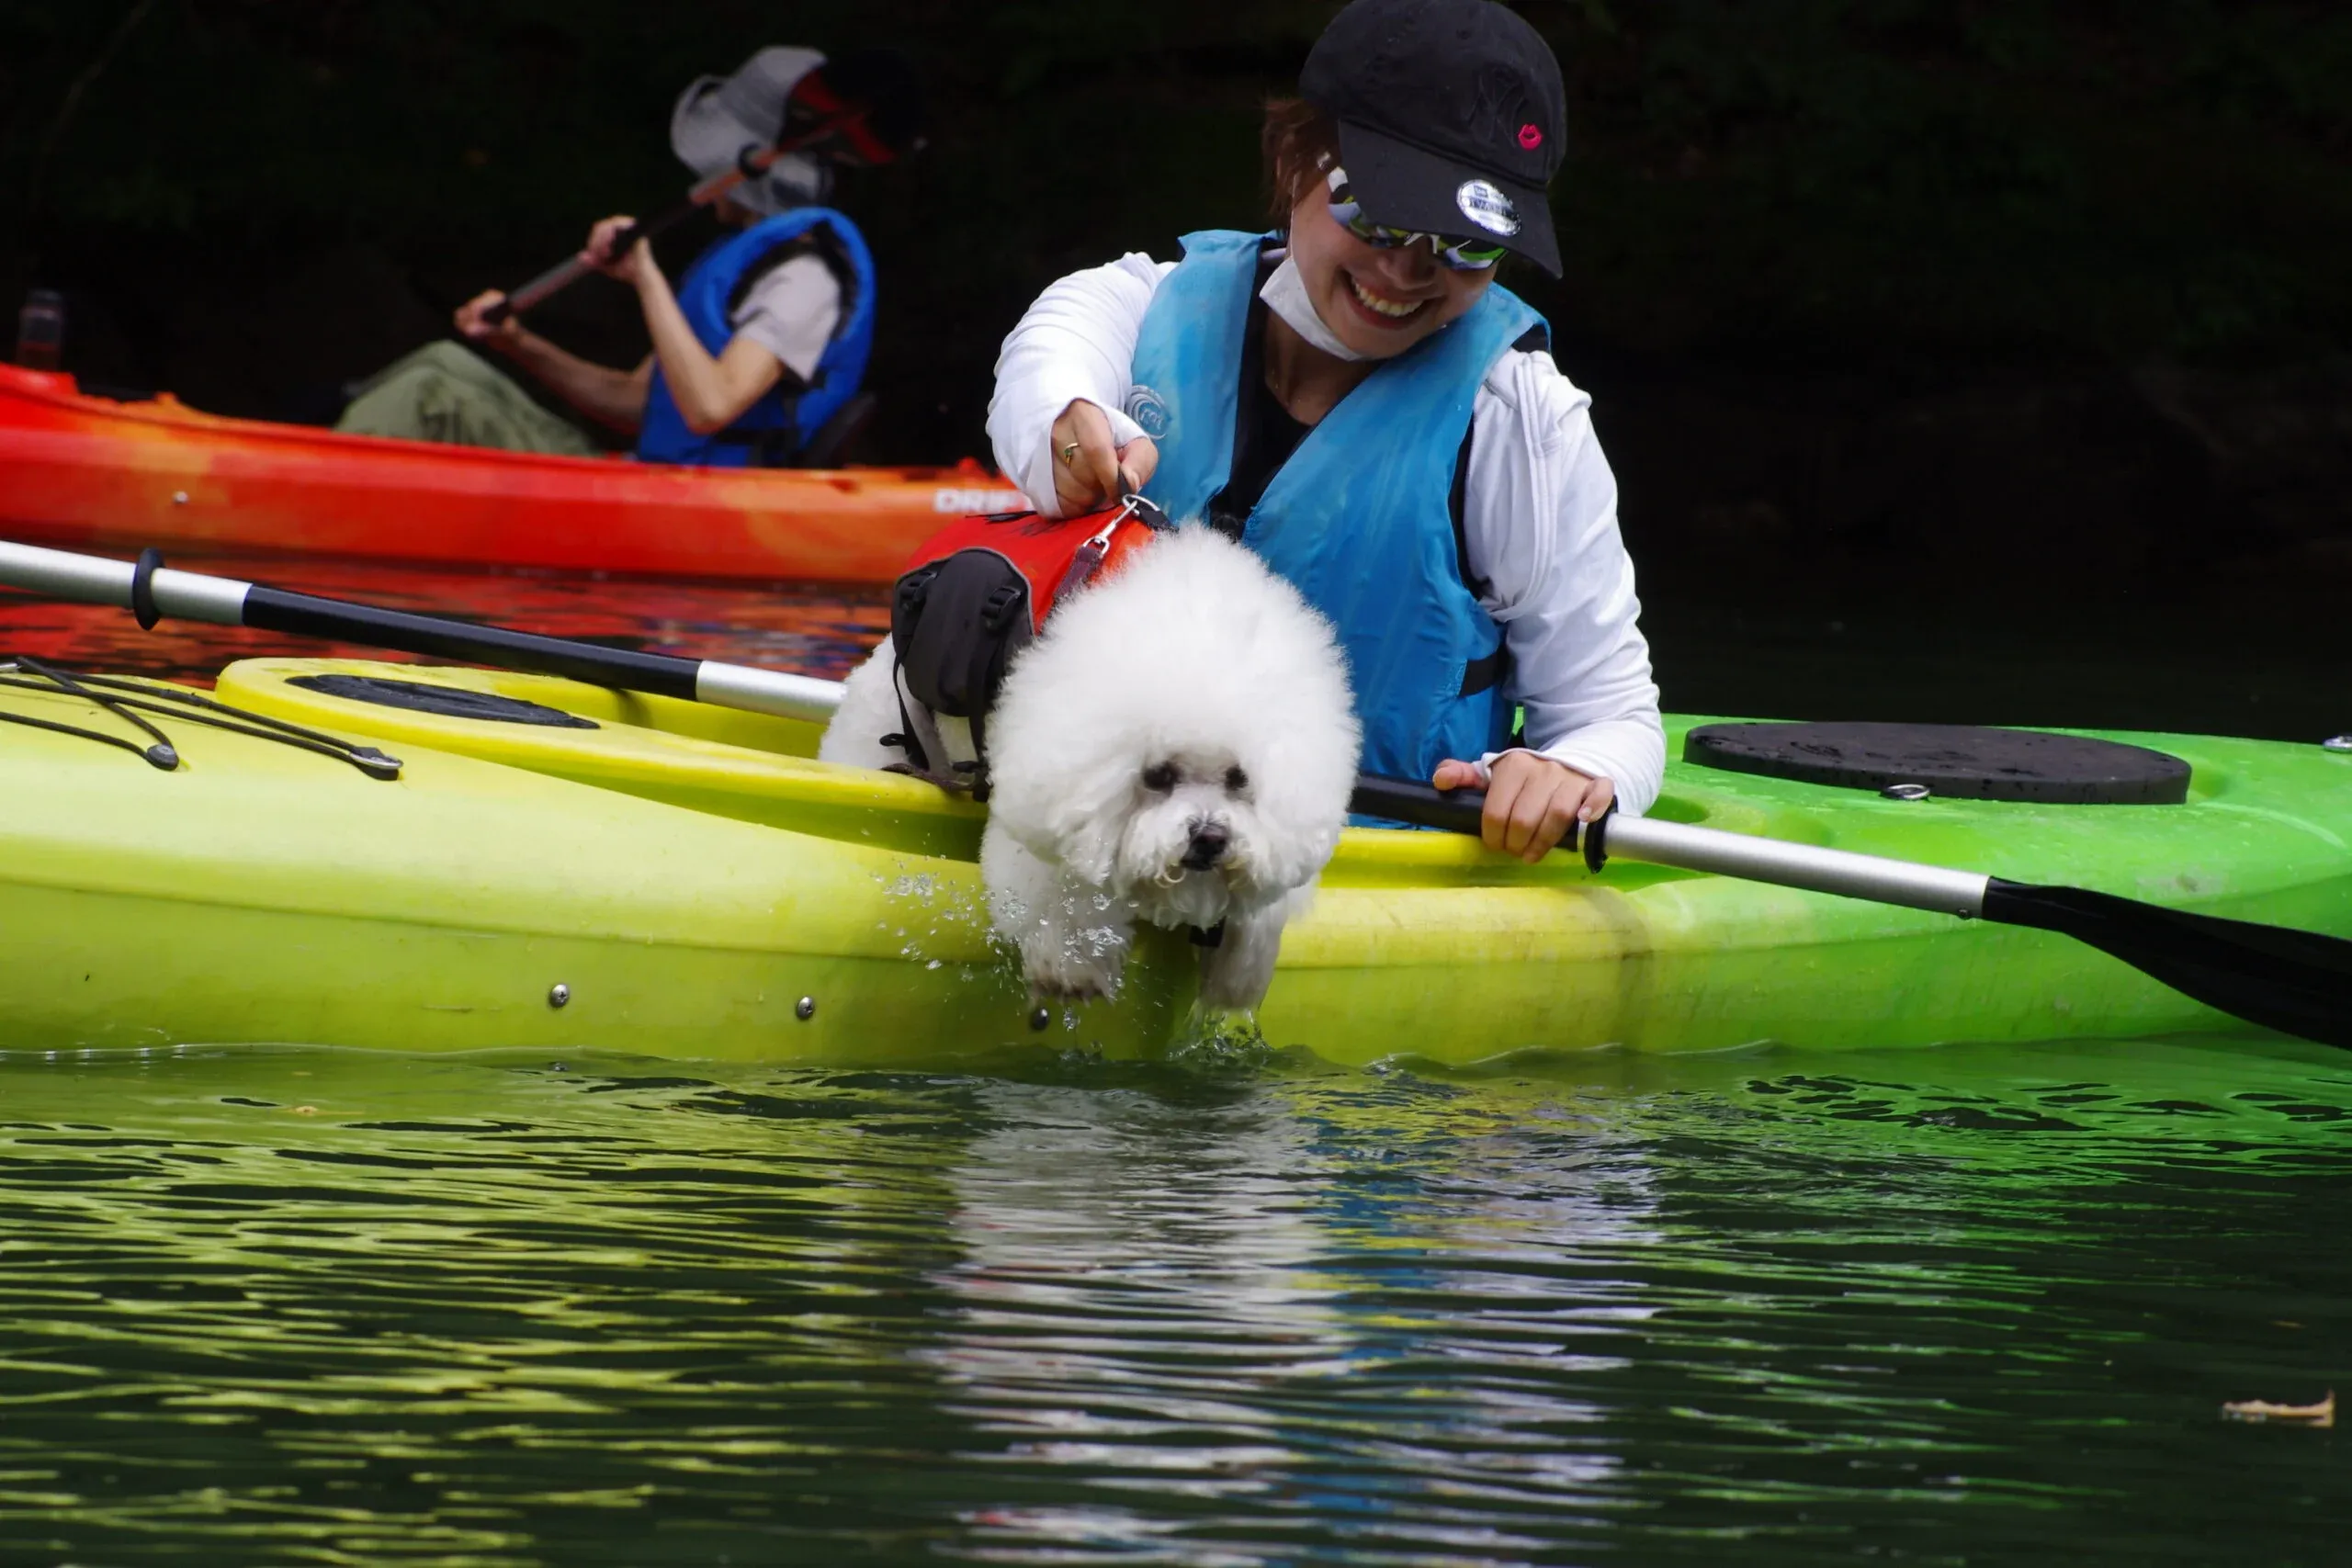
[[1178, 747]]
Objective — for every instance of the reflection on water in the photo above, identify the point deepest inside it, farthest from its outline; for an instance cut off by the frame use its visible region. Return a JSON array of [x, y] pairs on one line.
[[1943, 1306], [1219, 1305]]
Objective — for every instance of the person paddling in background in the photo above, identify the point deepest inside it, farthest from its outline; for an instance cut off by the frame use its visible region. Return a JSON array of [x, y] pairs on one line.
[[765, 339], [1356, 399]]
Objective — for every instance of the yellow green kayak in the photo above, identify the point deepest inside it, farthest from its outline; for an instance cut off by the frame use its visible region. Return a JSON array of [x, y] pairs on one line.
[[563, 867]]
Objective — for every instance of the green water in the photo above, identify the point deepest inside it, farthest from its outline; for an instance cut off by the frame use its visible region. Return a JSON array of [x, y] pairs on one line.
[[1949, 1306]]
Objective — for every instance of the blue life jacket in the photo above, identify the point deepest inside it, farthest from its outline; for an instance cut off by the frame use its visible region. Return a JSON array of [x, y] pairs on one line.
[[1361, 518], [779, 422]]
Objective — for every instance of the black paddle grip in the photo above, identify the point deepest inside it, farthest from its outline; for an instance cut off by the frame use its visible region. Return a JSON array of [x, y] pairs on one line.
[[299, 615], [1405, 800], [564, 274], [1459, 811]]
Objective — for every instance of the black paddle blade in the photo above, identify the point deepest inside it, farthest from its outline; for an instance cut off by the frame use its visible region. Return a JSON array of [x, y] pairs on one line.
[[2295, 982]]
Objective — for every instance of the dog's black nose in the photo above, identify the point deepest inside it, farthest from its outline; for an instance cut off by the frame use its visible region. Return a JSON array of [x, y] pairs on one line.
[[1207, 847]]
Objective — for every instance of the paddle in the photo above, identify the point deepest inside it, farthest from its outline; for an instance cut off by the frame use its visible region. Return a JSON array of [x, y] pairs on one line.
[[153, 591], [751, 164], [2296, 982]]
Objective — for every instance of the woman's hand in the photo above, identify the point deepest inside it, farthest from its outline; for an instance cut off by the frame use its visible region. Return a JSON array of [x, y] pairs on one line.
[[1531, 801], [629, 267], [1089, 477], [474, 325]]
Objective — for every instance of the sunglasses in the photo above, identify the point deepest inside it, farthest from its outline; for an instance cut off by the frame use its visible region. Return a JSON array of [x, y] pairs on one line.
[[1461, 256]]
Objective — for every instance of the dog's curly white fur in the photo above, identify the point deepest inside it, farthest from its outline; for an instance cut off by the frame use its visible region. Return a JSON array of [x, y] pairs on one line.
[[1178, 748]]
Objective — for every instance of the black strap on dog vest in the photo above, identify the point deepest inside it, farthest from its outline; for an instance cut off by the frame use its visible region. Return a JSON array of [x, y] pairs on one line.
[[954, 627]]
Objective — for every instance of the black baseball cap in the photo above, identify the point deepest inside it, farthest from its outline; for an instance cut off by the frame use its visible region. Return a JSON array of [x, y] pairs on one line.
[[1451, 118]]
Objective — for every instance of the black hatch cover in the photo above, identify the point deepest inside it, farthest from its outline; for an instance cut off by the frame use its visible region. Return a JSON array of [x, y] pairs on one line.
[[1959, 761], [452, 702]]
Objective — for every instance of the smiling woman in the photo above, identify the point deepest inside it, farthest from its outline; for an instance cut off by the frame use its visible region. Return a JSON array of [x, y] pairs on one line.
[[1355, 398], [1370, 291]]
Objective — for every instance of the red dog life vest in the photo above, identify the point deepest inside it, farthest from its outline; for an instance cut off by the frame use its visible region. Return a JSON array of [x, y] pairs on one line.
[[978, 592]]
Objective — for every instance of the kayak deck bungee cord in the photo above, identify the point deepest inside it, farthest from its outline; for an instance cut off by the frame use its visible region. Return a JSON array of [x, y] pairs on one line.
[[689, 882], [127, 699]]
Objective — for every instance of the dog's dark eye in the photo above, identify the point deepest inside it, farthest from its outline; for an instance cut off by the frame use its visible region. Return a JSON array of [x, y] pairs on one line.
[[1160, 776], [1235, 781]]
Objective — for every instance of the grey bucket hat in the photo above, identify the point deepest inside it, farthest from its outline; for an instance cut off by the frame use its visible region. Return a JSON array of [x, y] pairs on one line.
[[717, 117]]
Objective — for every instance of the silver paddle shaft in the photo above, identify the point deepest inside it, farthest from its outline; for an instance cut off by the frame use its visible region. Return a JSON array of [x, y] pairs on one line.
[[766, 690], [92, 579], [221, 600], [1806, 866]]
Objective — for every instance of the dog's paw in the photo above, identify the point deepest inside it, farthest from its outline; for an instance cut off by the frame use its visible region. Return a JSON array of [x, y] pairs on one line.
[[1235, 972], [1072, 938], [1073, 963], [1063, 989]]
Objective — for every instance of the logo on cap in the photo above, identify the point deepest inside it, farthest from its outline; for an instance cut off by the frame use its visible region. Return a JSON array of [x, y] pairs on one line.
[[1530, 136], [1485, 205]]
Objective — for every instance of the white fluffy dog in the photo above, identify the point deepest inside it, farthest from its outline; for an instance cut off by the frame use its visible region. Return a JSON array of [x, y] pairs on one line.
[[1178, 748]]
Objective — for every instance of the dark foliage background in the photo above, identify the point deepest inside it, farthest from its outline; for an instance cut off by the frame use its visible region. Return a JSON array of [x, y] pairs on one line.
[[2028, 299]]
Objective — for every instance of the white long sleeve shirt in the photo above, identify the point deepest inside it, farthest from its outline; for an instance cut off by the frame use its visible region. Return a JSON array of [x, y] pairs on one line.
[[1539, 524]]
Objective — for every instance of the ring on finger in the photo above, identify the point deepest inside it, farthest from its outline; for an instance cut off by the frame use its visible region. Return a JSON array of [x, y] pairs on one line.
[[1069, 454]]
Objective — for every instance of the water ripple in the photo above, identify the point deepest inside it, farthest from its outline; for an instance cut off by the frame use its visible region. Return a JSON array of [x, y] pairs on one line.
[[326, 1307]]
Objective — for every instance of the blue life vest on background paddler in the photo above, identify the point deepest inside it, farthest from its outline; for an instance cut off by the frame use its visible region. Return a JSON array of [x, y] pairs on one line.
[[1360, 517], [781, 422]]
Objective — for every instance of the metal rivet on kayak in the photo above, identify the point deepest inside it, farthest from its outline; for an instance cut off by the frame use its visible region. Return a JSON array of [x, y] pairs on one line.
[[1905, 791], [805, 1008], [179, 498], [1041, 1018], [559, 994], [2338, 743]]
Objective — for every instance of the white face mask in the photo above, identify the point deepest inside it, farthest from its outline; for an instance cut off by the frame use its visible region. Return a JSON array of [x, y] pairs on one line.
[[1285, 296]]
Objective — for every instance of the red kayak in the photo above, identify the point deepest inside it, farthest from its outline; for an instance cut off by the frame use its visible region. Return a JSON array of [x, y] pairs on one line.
[[81, 470]]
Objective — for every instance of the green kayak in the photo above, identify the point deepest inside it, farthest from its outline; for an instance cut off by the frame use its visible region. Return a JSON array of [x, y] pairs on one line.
[[643, 874]]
